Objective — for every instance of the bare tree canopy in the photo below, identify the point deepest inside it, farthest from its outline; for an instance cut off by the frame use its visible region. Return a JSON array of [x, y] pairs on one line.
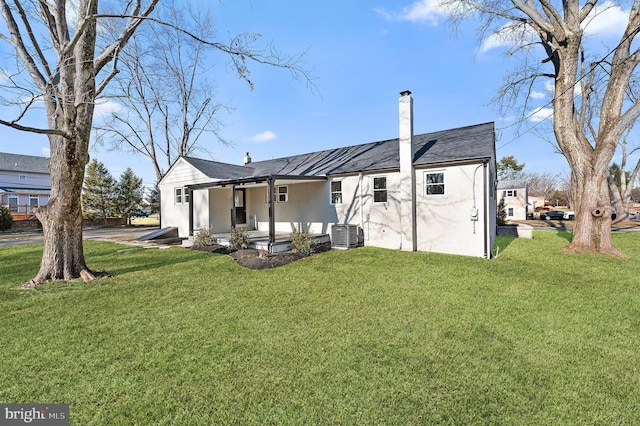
[[166, 102], [594, 102], [65, 57]]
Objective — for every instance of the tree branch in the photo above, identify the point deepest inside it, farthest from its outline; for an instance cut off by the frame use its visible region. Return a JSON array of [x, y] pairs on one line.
[[35, 129]]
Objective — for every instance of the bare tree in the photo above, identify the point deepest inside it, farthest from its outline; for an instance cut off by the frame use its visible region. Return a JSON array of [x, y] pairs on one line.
[[544, 184], [60, 64], [591, 107], [166, 101], [621, 183]]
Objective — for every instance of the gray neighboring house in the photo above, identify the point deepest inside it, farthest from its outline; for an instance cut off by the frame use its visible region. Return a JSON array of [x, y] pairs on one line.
[[516, 198], [25, 182], [429, 192]]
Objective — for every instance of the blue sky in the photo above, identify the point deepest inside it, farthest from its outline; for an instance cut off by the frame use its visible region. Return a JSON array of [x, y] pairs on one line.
[[362, 54]]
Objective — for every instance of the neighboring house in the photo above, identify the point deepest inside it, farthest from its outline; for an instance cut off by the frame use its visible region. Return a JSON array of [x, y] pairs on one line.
[[25, 183], [516, 202], [536, 201], [429, 192]]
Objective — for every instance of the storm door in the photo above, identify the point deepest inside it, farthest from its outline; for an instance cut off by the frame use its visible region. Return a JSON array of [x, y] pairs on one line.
[[239, 198]]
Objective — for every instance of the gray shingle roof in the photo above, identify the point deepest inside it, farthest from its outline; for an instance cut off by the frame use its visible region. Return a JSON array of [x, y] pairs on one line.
[[512, 184], [217, 170], [447, 146], [23, 163]]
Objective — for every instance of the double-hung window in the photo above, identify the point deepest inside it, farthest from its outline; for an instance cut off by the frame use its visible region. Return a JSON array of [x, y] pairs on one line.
[[282, 194], [434, 183], [33, 201], [510, 193], [181, 195], [336, 192], [380, 189]]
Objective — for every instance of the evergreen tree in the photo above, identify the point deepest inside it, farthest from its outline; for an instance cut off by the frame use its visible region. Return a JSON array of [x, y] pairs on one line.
[[6, 220], [98, 192], [502, 213], [153, 200], [509, 168], [129, 194]]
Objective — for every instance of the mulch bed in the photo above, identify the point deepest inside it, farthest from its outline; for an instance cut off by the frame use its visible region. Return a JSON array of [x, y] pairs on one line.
[[259, 259]]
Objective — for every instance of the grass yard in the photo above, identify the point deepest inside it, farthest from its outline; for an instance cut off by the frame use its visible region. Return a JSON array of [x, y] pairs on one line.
[[365, 336]]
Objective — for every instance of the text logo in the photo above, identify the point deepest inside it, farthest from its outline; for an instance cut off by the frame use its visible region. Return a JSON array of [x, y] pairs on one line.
[[34, 414]]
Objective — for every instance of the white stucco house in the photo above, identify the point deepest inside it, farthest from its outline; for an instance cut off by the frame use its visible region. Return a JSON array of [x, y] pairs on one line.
[[516, 198], [25, 183], [429, 192]]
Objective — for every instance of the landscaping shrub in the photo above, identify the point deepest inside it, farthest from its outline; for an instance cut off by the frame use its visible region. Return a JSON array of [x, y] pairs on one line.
[[302, 242], [239, 239], [6, 220], [204, 238]]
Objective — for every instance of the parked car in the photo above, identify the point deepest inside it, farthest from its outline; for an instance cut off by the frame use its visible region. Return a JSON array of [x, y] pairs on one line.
[[552, 214], [569, 215]]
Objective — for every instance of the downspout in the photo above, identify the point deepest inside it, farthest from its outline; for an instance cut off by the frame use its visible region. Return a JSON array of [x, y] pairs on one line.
[[361, 206], [487, 220], [474, 209], [272, 221], [190, 192]]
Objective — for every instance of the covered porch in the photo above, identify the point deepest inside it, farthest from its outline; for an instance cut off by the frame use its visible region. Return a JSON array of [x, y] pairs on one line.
[[257, 205]]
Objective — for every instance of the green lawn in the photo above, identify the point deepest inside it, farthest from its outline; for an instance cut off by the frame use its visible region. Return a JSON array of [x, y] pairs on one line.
[[366, 336]]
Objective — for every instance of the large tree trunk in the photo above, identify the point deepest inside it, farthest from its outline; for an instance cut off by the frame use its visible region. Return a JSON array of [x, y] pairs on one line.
[[61, 218], [589, 166], [592, 228], [70, 110]]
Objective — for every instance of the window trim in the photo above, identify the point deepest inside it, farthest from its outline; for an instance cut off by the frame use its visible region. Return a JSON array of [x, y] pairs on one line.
[[285, 193], [385, 190], [443, 184], [13, 208], [183, 196], [31, 198], [332, 192]]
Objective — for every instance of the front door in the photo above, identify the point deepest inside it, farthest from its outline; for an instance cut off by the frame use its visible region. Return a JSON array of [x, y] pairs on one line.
[[240, 207]]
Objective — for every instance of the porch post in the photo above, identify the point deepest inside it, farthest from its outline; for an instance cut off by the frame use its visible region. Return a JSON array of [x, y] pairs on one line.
[[190, 192], [272, 220], [233, 206]]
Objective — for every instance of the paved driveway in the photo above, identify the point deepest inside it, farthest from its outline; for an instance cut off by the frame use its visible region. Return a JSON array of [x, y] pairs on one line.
[[105, 234]]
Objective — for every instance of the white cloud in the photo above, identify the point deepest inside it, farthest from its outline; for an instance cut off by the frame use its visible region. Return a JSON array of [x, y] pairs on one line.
[[550, 86], [46, 151], [510, 35], [103, 109], [537, 95], [606, 20], [540, 114], [265, 136], [422, 11]]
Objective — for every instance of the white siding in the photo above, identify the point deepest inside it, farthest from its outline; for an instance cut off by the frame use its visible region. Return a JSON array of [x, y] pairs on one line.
[[444, 222], [182, 173]]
